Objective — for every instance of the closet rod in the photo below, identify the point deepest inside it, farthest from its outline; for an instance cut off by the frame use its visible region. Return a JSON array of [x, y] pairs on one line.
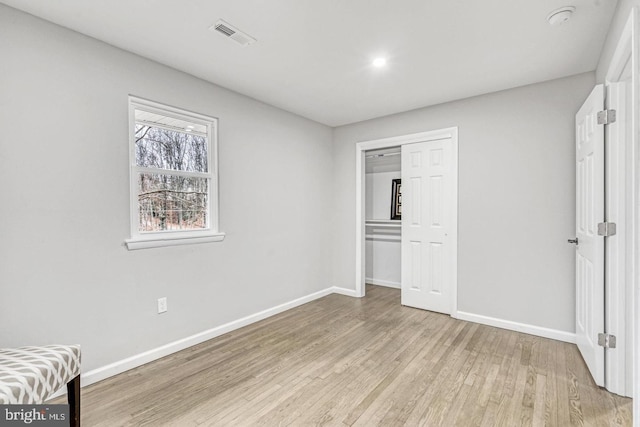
[[373, 156], [386, 237]]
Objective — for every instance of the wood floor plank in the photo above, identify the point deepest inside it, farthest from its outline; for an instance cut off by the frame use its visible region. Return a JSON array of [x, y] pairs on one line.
[[576, 415], [539, 407], [507, 404], [472, 410], [531, 386], [341, 361], [551, 393], [562, 386]]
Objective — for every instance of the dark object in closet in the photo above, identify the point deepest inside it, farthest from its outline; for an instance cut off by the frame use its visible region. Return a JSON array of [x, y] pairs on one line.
[[396, 199]]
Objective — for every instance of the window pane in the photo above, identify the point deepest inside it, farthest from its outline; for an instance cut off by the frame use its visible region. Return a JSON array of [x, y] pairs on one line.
[[169, 149], [169, 202]]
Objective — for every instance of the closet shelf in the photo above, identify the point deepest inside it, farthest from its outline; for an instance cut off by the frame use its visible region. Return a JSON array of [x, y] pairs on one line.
[[385, 237]]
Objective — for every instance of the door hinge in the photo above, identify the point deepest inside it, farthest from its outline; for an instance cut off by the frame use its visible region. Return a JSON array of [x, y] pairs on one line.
[[607, 341], [606, 117], [607, 229]]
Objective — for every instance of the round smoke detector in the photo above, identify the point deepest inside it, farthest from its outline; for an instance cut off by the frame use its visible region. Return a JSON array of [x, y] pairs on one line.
[[560, 16]]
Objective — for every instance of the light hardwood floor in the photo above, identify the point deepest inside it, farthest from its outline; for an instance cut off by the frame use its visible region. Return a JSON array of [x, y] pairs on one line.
[[364, 362]]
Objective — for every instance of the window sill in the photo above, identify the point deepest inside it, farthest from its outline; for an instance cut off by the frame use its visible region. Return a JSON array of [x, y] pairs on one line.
[[162, 241]]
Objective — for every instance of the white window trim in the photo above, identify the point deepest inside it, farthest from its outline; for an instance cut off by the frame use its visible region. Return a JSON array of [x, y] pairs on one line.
[[144, 240]]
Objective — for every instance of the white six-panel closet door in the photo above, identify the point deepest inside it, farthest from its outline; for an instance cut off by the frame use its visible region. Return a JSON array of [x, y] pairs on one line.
[[427, 199]]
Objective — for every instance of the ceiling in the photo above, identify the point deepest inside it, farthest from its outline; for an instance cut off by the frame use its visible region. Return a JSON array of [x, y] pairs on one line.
[[313, 58]]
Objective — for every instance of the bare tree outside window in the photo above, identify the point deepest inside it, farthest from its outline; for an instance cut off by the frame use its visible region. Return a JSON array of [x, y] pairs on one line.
[[169, 199]]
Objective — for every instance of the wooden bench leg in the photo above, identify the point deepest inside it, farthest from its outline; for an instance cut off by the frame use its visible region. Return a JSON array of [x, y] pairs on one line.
[[73, 397]]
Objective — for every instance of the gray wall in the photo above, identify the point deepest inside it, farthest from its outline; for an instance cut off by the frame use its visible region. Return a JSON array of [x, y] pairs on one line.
[[618, 22], [65, 275], [516, 198]]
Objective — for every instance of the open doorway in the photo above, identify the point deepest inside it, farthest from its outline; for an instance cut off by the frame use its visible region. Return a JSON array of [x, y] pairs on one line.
[[383, 213]]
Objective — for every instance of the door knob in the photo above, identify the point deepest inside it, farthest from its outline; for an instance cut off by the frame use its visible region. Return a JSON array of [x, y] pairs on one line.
[[574, 241]]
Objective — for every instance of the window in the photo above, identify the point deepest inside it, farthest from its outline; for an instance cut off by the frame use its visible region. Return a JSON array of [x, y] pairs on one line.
[[174, 186]]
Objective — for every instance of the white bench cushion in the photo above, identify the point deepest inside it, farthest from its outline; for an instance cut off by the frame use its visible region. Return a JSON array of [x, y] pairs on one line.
[[29, 375]]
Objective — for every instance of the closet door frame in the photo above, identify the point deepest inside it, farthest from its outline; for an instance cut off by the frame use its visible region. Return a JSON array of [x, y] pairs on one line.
[[361, 148]]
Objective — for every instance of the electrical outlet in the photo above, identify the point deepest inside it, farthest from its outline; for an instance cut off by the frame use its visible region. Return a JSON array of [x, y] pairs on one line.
[[162, 305]]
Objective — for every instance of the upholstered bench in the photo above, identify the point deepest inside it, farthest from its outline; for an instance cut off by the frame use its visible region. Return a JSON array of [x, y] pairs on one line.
[[30, 375]]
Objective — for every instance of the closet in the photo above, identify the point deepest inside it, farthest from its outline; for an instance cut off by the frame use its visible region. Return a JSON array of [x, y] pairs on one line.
[[382, 222], [414, 247]]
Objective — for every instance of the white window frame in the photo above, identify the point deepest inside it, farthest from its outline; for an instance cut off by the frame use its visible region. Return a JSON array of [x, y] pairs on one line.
[[153, 239]]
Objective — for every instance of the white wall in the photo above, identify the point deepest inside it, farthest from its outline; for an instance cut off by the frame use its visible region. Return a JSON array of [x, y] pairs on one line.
[[378, 194], [383, 260], [617, 25], [516, 198], [66, 276]]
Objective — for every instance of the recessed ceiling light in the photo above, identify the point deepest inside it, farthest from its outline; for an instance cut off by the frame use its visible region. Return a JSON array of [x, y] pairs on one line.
[[379, 62], [560, 16]]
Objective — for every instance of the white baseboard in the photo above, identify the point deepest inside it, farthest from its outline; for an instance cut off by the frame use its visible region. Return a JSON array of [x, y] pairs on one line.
[[124, 365], [344, 291], [518, 327], [387, 283]]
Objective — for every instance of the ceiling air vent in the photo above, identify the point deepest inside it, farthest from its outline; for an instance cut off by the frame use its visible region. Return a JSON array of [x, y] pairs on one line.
[[233, 33]]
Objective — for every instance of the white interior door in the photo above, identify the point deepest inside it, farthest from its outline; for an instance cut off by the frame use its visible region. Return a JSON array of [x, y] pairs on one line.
[[427, 206], [590, 246]]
